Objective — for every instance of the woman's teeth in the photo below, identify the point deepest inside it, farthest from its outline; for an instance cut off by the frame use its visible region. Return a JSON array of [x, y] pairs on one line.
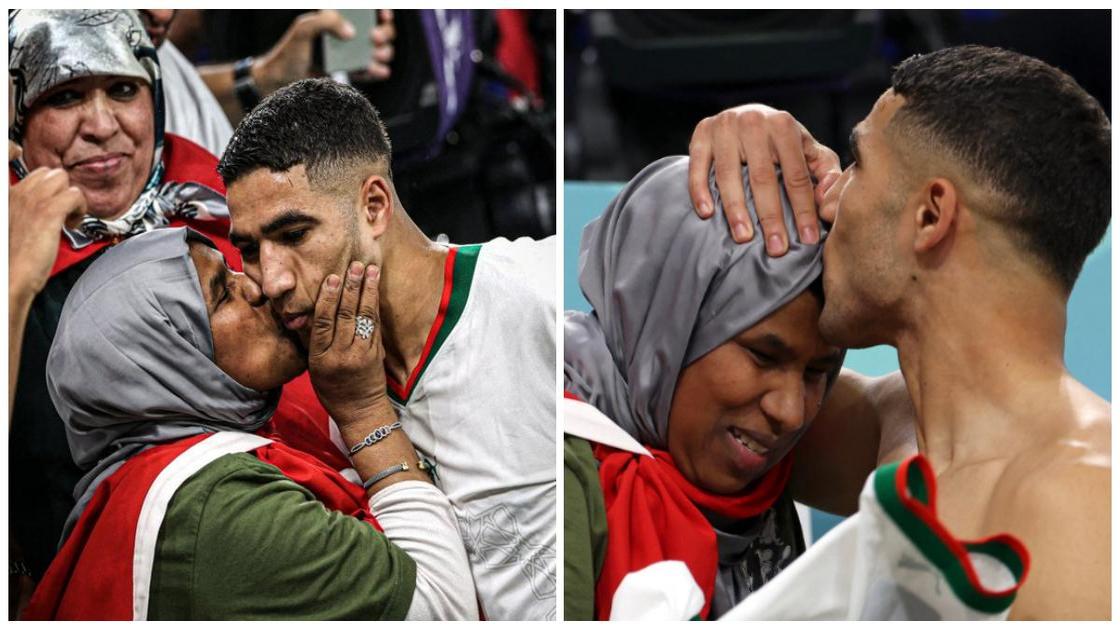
[[746, 441]]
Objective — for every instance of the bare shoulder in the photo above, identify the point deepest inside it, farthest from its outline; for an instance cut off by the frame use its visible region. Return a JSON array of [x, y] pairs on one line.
[[1070, 473], [1057, 500], [1070, 463]]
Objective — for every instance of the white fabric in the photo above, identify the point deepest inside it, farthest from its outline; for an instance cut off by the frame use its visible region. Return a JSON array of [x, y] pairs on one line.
[[418, 518], [661, 591], [585, 421], [867, 568], [192, 111], [485, 412], [805, 517], [159, 496]]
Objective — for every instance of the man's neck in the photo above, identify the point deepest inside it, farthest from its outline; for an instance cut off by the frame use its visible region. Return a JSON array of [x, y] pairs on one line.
[[983, 361], [411, 286]]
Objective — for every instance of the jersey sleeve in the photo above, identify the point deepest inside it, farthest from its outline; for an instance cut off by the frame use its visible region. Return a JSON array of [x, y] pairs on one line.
[[242, 541]]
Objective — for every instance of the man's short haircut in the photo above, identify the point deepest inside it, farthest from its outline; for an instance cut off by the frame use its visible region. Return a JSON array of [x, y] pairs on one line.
[[321, 124], [1025, 130]]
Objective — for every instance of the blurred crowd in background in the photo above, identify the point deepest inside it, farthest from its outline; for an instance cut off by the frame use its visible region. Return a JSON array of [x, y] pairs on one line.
[[824, 67], [469, 104]]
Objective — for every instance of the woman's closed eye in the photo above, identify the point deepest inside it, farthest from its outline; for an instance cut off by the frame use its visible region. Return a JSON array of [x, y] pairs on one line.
[[225, 294], [762, 359]]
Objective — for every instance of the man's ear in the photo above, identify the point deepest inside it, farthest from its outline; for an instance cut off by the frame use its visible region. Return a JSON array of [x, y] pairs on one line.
[[377, 203], [936, 215]]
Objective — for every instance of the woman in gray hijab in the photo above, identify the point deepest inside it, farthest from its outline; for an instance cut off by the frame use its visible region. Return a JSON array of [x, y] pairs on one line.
[[691, 380], [165, 363]]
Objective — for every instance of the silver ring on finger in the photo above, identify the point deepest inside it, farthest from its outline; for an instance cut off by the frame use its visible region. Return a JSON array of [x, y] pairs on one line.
[[363, 327]]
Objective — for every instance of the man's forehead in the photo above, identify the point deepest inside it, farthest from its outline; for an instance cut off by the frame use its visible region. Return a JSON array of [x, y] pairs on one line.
[[256, 198], [882, 112], [265, 182]]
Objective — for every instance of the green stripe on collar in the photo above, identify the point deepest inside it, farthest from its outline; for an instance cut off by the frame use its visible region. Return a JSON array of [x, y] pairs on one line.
[[459, 276], [907, 491]]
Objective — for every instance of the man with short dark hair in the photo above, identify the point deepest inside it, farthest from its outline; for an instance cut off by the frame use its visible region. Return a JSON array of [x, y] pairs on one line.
[[469, 331], [980, 184]]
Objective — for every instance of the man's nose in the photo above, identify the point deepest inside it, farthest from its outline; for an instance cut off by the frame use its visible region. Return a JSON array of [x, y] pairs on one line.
[[276, 277], [784, 405], [99, 118]]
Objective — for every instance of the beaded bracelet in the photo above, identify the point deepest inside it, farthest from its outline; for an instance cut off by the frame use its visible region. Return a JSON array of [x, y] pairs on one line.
[[378, 434]]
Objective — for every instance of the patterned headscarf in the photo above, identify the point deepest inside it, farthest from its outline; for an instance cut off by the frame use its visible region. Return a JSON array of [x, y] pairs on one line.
[[47, 48], [132, 364]]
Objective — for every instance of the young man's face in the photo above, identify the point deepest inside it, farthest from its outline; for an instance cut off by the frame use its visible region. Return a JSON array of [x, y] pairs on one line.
[[291, 238], [864, 274]]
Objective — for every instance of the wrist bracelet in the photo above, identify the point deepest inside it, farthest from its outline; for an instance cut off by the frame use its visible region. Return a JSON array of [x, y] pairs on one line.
[[378, 434], [392, 470], [244, 86]]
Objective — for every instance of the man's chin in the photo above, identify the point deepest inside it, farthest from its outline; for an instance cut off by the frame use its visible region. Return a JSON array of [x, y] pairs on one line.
[[834, 329], [844, 330]]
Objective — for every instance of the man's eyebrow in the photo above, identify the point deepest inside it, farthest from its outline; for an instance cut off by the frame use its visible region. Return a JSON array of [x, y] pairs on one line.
[[853, 143], [286, 218], [239, 240]]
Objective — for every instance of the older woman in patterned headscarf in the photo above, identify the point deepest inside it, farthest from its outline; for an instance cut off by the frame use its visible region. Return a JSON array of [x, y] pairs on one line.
[[88, 99]]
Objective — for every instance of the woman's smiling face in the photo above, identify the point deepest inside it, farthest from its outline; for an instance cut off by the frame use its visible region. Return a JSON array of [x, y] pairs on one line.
[[740, 408], [100, 129]]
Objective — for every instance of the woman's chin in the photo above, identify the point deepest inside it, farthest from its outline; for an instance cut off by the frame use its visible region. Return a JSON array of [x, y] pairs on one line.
[[737, 474], [105, 207], [294, 365], [280, 370], [107, 199], [731, 484]]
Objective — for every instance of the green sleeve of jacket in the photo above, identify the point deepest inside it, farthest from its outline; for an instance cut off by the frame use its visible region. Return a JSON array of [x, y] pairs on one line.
[[585, 529], [242, 541]]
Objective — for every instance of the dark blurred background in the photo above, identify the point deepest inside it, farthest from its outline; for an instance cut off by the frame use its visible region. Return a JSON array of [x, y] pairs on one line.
[[488, 169], [637, 82]]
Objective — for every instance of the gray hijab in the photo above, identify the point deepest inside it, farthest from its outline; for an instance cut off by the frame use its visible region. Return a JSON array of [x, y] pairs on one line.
[[667, 288], [132, 364]]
